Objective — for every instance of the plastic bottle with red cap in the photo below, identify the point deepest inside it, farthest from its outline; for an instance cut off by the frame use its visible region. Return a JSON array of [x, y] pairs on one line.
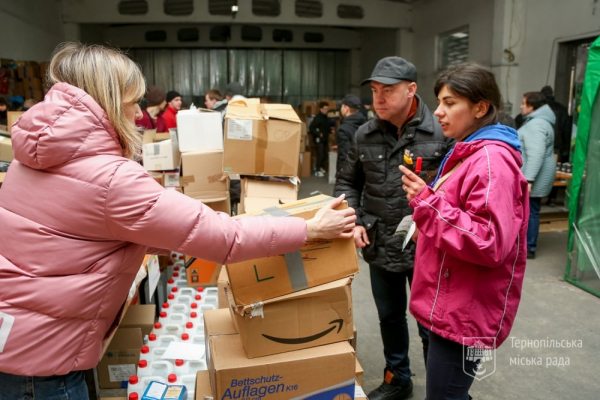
[[134, 388], [145, 353]]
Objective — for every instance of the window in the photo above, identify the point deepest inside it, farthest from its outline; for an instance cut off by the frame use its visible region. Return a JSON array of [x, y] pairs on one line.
[[266, 8], [220, 7], [309, 8], [313, 37], [179, 7], [156, 36], [283, 35], [453, 48], [221, 33], [347, 11], [133, 7], [251, 33], [188, 35]]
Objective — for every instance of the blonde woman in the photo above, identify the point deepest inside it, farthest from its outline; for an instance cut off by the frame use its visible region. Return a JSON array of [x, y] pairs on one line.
[[78, 215]]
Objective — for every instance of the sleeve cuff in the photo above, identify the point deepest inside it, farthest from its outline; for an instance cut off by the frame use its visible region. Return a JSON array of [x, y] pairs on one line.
[[423, 194]]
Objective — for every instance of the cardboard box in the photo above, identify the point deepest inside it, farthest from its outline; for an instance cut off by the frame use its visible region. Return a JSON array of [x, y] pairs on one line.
[[121, 358], [202, 272], [354, 339], [202, 386], [200, 130], [6, 150], [222, 283], [140, 316], [12, 117], [332, 103], [359, 373], [261, 139], [359, 393], [160, 155], [319, 261], [29, 71], [308, 318], [36, 94], [304, 165], [202, 175], [327, 370], [219, 204], [257, 194], [32, 83], [170, 179], [18, 90], [3, 175]]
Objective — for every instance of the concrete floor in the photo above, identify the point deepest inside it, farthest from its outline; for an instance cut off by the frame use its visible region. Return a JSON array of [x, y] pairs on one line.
[[550, 309]]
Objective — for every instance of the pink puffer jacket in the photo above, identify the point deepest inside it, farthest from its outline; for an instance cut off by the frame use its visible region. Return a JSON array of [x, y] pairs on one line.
[[471, 248], [77, 219]]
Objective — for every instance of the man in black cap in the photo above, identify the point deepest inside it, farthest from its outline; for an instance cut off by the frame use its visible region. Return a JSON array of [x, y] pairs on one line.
[[173, 107], [404, 129], [352, 119]]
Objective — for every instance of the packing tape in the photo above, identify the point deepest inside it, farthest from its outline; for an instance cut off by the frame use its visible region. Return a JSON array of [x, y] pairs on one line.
[[156, 149], [293, 261]]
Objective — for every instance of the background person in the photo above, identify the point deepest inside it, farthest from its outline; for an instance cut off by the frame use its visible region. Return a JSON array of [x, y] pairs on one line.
[[320, 128], [352, 118], [539, 166], [214, 100], [173, 106], [152, 118], [106, 213], [472, 225]]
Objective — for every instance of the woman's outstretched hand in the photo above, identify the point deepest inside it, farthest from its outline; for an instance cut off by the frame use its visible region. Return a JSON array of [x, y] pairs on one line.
[[331, 224]]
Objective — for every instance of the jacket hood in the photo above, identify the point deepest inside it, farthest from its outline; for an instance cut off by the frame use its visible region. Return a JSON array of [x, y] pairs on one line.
[[356, 119], [498, 134], [68, 124], [544, 112]]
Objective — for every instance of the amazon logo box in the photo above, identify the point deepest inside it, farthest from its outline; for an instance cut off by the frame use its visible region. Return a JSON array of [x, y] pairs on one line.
[[308, 318], [316, 373], [317, 263]]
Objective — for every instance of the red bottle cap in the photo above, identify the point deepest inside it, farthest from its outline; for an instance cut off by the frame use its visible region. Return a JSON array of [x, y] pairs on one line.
[[145, 349], [152, 337], [198, 297], [201, 289], [134, 396], [175, 274], [172, 378], [193, 315], [143, 364], [171, 296], [185, 336], [165, 305], [170, 281], [162, 314], [157, 325], [182, 257], [189, 325], [170, 262], [176, 269], [174, 290], [179, 363], [133, 379], [194, 306]]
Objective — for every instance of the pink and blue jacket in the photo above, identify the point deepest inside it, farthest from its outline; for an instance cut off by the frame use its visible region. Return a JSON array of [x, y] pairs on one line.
[[77, 219], [471, 248]]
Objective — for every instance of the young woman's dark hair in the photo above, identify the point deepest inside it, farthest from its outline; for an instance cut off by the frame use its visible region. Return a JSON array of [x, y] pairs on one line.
[[475, 83], [535, 99]]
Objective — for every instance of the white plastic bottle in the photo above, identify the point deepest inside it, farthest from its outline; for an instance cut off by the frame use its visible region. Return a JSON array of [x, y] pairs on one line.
[[188, 291], [173, 329], [190, 329], [179, 308], [195, 366], [134, 386], [164, 340], [145, 353], [157, 353], [189, 381], [183, 299], [158, 329], [180, 368], [152, 341], [143, 368], [147, 379], [163, 318], [161, 368], [178, 318]]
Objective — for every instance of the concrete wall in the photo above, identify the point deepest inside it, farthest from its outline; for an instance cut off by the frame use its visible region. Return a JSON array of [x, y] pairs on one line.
[[31, 29], [434, 17], [375, 45]]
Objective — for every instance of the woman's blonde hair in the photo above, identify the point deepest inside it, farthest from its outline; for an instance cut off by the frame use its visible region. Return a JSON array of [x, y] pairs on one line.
[[109, 77]]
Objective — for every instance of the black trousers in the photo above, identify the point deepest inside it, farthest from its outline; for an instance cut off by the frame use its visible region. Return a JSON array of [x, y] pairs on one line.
[[446, 376]]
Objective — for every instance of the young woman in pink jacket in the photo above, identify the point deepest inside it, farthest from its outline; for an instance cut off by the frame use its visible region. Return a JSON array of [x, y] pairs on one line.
[[78, 214], [471, 235]]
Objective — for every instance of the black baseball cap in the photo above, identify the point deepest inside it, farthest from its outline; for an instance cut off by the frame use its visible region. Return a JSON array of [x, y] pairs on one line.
[[233, 88], [392, 70], [351, 101]]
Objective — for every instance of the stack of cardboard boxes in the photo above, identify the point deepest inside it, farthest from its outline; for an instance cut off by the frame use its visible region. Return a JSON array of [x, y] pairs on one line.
[[289, 320], [262, 146]]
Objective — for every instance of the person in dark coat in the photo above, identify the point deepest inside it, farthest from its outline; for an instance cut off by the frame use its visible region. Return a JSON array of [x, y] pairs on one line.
[[320, 128], [372, 182], [352, 119]]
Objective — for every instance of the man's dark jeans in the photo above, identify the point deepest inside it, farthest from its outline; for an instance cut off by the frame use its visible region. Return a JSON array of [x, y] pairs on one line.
[[391, 299]]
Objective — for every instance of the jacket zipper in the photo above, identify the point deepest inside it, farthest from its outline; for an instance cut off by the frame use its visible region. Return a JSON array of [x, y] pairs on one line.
[[438, 291]]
